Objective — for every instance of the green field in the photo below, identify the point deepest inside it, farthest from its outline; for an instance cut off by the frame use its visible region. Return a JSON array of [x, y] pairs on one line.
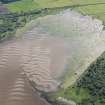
[[70, 94], [25, 5], [96, 8]]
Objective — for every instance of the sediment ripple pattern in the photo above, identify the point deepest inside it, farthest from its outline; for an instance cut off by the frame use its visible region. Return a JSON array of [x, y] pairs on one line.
[[15, 88], [36, 61], [28, 58]]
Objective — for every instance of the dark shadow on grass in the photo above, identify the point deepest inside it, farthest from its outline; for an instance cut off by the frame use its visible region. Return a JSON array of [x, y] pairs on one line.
[[8, 1]]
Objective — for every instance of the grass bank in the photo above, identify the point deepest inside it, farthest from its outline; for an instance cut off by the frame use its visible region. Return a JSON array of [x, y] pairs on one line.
[[89, 88]]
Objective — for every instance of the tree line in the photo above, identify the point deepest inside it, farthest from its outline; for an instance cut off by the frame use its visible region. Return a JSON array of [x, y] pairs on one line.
[[10, 22], [94, 81]]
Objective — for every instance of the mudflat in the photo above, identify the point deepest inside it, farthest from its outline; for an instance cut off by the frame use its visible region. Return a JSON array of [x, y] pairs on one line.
[[30, 57]]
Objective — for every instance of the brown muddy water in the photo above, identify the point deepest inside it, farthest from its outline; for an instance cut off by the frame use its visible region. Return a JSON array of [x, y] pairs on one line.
[[32, 57], [15, 88]]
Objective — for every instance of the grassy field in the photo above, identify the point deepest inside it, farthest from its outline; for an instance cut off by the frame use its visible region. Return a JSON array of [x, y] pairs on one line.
[[97, 11], [24, 5], [96, 8], [70, 94]]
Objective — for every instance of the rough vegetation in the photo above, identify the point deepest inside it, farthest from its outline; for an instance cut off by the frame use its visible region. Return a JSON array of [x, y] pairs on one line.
[[89, 89], [10, 22]]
